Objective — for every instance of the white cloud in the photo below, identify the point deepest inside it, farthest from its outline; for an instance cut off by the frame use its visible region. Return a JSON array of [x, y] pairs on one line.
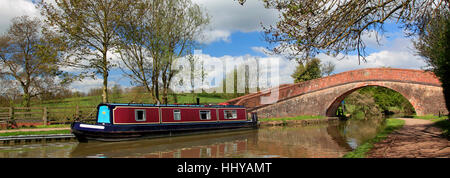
[[260, 49], [14, 8], [398, 53], [89, 83], [228, 16], [210, 36], [373, 39], [86, 84]]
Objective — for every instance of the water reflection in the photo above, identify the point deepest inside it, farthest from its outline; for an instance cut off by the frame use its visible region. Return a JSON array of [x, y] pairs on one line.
[[195, 146], [48, 150], [327, 140], [355, 132]]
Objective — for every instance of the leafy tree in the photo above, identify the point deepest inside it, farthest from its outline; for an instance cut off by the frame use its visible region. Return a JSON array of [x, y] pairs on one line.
[[387, 99], [89, 32], [364, 106], [434, 45], [307, 72], [154, 34], [28, 57]]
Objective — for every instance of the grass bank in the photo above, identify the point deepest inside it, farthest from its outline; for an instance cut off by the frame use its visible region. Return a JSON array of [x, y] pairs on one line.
[[441, 122], [34, 133], [36, 130], [361, 151]]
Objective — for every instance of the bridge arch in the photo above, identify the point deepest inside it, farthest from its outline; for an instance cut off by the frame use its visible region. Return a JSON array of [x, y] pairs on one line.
[[320, 96], [334, 104]]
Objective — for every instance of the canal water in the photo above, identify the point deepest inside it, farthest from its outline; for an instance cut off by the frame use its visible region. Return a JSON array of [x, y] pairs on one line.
[[318, 141]]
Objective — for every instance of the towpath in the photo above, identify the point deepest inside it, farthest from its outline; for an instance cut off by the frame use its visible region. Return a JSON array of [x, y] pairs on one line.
[[416, 139]]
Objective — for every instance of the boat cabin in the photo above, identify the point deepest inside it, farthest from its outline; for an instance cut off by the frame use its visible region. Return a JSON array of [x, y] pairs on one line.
[[126, 114]]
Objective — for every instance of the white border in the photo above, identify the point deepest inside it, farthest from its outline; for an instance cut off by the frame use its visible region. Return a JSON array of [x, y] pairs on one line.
[[92, 126]]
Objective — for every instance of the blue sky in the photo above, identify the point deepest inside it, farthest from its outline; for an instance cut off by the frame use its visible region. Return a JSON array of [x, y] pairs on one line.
[[239, 44], [235, 33]]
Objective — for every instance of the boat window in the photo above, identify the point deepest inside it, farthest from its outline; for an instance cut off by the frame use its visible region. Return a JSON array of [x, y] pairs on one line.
[[139, 115], [205, 115], [176, 115], [230, 114]]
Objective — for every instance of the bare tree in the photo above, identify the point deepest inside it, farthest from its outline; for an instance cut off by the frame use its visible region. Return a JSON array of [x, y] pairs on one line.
[[28, 57]]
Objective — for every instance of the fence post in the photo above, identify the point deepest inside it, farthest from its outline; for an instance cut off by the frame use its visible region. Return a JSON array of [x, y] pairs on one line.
[[11, 116], [44, 115], [11, 113], [77, 113]]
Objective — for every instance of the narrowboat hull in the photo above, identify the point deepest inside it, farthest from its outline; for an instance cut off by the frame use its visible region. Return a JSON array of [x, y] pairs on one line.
[[110, 132]]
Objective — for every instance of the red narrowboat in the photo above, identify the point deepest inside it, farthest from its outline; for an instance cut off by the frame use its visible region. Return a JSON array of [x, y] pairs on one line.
[[116, 122]]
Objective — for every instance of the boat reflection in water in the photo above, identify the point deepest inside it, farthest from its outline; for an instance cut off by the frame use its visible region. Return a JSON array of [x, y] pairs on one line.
[[289, 142], [218, 145]]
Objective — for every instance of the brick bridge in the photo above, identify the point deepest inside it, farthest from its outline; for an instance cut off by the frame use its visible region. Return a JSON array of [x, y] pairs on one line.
[[322, 96]]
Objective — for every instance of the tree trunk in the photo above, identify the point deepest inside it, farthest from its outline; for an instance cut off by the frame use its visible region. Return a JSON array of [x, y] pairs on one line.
[[105, 79], [105, 88], [26, 100], [165, 97], [155, 88], [164, 91], [26, 96]]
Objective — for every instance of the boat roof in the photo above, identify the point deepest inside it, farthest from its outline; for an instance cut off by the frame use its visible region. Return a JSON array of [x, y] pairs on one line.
[[173, 105]]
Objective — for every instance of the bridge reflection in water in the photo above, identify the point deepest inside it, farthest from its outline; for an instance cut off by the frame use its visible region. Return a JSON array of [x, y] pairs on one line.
[[327, 140]]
